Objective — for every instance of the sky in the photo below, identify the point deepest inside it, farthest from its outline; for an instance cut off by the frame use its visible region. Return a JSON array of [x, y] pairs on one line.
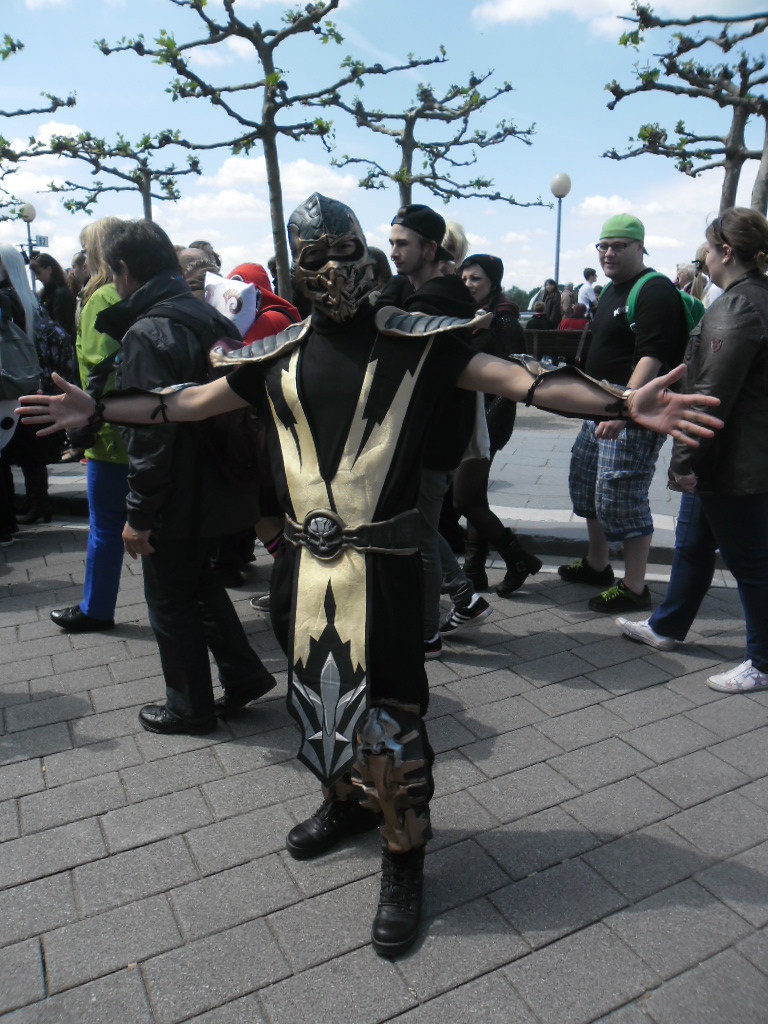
[[558, 55]]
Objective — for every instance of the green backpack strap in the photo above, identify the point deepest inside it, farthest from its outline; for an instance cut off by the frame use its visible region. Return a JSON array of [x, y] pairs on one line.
[[693, 309]]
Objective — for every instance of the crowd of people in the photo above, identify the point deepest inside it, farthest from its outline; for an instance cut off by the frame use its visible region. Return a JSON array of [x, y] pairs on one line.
[[343, 439]]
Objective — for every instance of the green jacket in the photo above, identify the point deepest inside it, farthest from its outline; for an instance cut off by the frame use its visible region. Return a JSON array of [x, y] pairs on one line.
[[92, 349]]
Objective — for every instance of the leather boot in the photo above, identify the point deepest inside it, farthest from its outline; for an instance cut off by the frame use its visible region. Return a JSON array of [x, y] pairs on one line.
[[396, 925], [38, 503], [475, 555], [520, 564], [333, 821]]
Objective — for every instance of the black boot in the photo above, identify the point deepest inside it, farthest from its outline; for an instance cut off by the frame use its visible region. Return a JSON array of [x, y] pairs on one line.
[[396, 925], [475, 555], [333, 821], [38, 505], [520, 564]]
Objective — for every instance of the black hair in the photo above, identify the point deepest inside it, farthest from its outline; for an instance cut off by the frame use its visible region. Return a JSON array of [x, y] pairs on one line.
[[144, 247]]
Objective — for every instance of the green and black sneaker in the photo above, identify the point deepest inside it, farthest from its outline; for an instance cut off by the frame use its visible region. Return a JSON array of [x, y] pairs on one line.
[[581, 571], [620, 599]]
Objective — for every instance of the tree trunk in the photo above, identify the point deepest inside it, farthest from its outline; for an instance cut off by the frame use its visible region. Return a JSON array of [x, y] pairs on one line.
[[146, 194], [274, 184], [734, 158], [760, 188], [404, 177]]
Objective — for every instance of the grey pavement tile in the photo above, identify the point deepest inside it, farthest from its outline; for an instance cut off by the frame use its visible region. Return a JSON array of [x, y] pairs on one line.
[[757, 792], [246, 1010], [600, 764], [755, 949], [467, 659], [155, 819], [500, 717], [500, 755], [539, 645], [233, 897], [215, 970], [644, 706], [459, 945], [694, 778], [525, 624], [342, 917], [670, 738], [37, 907], [246, 791], [71, 802], [9, 821], [90, 657], [553, 669], [457, 817], [748, 753], [678, 927], [21, 969], [552, 903], [12, 694], [458, 874], [490, 999], [522, 793], [583, 727], [21, 778], [104, 726], [126, 670], [571, 695], [723, 826], [40, 742], [580, 977], [90, 761], [453, 772], [47, 711], [46, 853], [632, 1013], [357, 988], [134, 875], [237, 840], [537, 842], [725, 988], [154, 746], [605, 653], [118, 997], [728, 718], [71, 682], [742, 883], [259, 750], [56, 643], [683, 660], [22, 671], [629, 677], [108, 942], [171, 774], [349, 862], [621, 807], [125, 695], [488, 688], [446, 733], [694, 688]]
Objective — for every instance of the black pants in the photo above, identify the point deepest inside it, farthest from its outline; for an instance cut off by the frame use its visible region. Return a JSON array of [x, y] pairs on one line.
[[191, 613]]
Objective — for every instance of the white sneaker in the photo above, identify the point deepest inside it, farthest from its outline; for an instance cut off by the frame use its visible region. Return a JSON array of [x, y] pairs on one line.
[[644, 634], [745, 678]]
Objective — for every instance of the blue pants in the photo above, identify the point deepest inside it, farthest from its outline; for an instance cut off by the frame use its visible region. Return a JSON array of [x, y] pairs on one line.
[[738, 526], [107, 491]]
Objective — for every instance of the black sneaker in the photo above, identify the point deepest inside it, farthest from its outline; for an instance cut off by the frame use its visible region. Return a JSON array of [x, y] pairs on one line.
[[581, 571], [477, 610], [620, 599], [433, 648]]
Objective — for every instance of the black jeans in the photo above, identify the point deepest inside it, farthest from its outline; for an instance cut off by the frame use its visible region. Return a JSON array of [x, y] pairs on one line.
[[191, 613]]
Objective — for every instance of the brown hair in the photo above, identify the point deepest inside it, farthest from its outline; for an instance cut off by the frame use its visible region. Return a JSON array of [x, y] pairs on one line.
[[746, 232]]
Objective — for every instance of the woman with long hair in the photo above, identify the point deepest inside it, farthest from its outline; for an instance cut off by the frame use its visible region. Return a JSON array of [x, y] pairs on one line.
[[55, 297], [725, 481]]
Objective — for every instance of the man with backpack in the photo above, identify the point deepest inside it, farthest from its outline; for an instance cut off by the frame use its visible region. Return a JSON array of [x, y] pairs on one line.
[[612, 466], [179, 502]]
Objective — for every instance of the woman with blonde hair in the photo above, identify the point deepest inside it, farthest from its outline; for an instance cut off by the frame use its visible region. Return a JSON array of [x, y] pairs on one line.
[[107, 460]]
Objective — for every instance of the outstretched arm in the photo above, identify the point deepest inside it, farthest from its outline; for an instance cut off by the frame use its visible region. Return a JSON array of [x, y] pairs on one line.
[[73, 408], [652, 406]]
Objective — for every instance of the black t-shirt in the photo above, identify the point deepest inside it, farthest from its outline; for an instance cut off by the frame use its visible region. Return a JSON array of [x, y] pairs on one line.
[[659, 322]]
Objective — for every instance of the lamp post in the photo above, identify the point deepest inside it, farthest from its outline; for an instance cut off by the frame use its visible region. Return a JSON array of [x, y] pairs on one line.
[[560, 186], [28, 214]]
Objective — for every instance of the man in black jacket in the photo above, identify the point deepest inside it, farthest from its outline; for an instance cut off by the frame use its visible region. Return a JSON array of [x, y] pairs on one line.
[[178, 502]]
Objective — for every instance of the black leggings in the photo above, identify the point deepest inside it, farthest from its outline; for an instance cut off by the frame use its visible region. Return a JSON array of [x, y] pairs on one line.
[[470, 497]]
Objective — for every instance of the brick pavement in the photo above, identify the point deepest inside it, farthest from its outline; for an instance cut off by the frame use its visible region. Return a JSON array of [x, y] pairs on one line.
[[601, 828]]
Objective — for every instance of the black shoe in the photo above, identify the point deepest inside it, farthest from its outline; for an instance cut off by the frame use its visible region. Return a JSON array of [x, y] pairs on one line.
[[517, 574], [396, 925], [236, 697], [157, 718], [581, 571], [73, 620], [331, 823]]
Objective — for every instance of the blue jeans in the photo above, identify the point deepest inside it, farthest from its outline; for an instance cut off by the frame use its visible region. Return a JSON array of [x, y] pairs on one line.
[[107, 491], [738, 526], [439, 562]]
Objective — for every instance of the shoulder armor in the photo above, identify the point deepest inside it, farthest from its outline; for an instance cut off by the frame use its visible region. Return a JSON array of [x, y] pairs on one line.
[[223, 356], [393, 321]]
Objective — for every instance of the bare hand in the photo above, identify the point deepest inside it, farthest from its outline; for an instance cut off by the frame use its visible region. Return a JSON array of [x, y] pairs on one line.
[[67, 411], [609, 430], [681, 416], [136, 542]]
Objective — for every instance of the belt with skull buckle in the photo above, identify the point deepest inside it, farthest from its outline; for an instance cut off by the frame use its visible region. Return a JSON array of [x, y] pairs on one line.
[[325, 534]]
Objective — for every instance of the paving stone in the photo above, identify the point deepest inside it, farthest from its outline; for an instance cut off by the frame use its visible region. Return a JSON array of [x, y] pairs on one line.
[[500, 755], [240, 1011], [755, 949], [71, 802], [552, 903], [125, 670], [522, 793], [500, 717], [108, 942], [560, 698], [553, 669], [670, 738], [246, 791], [456, 818], [153, 746], [723, 826], [44, 712], [119, 997], [757, 792], [600, 764], [629, 677], [725, 988], [104, 726], [580, 977], [260, 750], [378, 994], [46, 853], [747, 753], [36, 907], [48, 739], [452, 772], [12, 694], [645, 706], [694, 778], [232, 963], [90, 761], [447, 733], [582, 728], [488, 688], [604, 653], [30, 668], [126, 695], [728, 718], [74, 661], [457, 874], [619, 808], [742, 883], [237, 840], [126, 877], [21, 778], [490, 999], [80, 682], [21, 969], [539, 645], [171, 774], [9, 821], [536, 842], [155, 819]]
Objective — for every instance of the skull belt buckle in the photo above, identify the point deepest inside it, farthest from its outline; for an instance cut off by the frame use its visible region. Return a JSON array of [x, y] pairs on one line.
[[324, 534]]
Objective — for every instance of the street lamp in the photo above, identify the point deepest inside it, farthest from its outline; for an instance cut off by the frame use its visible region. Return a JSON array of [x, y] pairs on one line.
[[28, 213], [560, 186]]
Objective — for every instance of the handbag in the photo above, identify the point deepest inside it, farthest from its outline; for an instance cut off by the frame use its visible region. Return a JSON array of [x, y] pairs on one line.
[[19, 365]]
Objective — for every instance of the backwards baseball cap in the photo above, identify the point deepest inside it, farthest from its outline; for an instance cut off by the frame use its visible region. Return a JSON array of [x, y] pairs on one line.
[[623, 225], [490, 265], [425, 222]]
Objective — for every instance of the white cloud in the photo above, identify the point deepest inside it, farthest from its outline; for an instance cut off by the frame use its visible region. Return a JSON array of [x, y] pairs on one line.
[[36, 5], [515, 236]]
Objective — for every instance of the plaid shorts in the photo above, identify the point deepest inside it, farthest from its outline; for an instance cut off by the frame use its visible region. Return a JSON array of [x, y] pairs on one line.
[[609, 480]]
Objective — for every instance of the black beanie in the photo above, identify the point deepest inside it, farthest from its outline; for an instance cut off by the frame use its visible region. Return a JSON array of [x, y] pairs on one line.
[[492, 266]]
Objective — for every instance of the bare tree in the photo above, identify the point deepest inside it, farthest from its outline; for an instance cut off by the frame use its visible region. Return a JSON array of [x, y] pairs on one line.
[[737, 85], [451, 149], [264, 122]]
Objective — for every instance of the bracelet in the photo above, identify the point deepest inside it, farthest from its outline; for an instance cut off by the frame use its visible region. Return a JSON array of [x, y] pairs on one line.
[[532, 389], [161, 408], [97, 417]]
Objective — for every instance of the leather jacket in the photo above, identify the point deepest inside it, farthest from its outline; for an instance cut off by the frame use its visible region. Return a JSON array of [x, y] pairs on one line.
[[727, 356]]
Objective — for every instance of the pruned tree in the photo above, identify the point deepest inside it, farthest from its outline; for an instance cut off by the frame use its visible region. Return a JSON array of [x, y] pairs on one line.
[[438, 146], [736, 84], [266, 121]]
